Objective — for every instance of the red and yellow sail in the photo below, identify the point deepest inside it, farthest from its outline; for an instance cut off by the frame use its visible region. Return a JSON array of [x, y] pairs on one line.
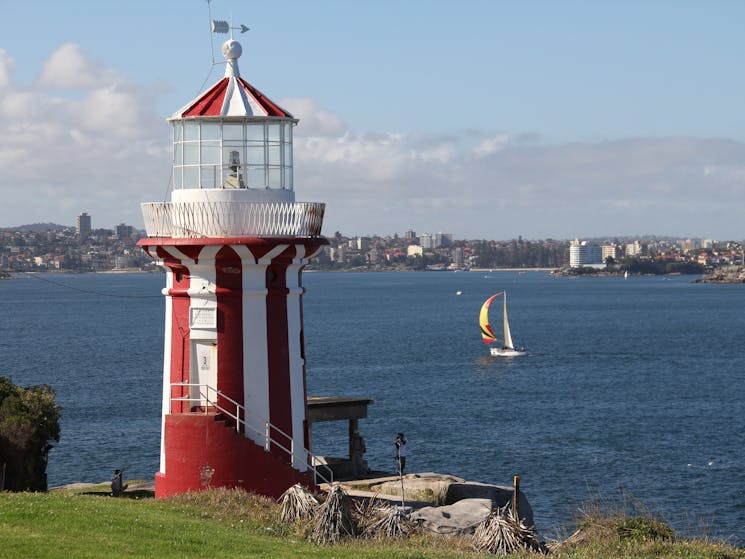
[[486, 332]]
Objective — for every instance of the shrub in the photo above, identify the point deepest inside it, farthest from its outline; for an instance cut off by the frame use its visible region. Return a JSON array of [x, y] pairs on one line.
[[29, 423]]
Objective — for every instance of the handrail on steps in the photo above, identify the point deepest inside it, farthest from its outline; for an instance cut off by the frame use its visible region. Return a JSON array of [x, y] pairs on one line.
[[310, 458]]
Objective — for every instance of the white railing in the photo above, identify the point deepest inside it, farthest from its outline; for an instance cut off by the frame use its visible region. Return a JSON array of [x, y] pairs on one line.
[[206, 396], [233, 219]]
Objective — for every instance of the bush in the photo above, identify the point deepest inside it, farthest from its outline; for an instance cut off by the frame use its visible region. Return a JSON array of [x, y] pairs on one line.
[[29, 422]]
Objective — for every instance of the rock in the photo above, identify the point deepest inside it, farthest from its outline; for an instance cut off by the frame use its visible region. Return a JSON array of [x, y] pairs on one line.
[[498, 495], [426, 487], [457, 519]]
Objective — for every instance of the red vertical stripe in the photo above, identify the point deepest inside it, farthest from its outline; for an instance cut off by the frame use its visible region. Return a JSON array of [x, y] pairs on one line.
[[229, 294], [180, 339], [280, 402]]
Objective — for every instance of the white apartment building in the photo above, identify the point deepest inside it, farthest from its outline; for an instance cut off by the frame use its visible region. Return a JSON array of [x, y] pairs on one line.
[[581, 254]]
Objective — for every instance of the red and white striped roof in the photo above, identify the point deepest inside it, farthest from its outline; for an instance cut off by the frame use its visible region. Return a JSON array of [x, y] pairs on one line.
[[232, 96]]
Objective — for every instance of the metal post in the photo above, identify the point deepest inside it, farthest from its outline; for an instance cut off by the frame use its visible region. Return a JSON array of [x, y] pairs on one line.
[[516, 497]]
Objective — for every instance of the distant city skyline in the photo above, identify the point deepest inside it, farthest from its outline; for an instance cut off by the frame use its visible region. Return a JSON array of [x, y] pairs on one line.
[[403, 233], [486, 120]]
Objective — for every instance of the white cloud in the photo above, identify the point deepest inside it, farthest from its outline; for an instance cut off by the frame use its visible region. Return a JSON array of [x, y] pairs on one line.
[[7, 66], [70, 68], [314, 121], [105, 150], [488, 146]]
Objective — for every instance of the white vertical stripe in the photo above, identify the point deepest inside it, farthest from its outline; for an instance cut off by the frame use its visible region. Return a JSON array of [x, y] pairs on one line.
[[166, 369], [255, 346], [297, 389]]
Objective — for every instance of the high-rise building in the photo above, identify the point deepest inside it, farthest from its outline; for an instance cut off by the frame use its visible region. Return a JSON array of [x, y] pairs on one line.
[[123, 231], [609, 251], [83, 224], [427, 241], [581, 254]]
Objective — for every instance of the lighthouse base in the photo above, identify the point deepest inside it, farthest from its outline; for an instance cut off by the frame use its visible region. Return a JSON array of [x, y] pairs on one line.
[[204, 452]]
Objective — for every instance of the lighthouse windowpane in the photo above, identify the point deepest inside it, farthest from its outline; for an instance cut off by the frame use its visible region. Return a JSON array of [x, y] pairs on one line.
[[275, 177], [232, 132], [287, 148], [273, 132], [210, 132], [255, 177], [191, 154], [178, 132], [211, 177], [255, 155], [191, 132], [178, 155], [210, 153], [273, 154], [288, 178], [191, 177], [178, 177], [255, 133]]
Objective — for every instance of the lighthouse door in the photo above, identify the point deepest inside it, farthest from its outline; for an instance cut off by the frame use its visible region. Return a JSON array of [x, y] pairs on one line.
[[204, 374]]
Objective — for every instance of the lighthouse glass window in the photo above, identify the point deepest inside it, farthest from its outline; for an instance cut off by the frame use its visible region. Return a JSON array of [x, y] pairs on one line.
[[229, 154]]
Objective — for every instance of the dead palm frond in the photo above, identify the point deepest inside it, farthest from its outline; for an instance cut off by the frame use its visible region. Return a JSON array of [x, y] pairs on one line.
[[385, 521], [297, 503], [501, 533], [333, 518]]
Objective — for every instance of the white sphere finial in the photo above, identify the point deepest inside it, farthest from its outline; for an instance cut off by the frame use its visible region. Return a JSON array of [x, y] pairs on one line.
[[231, 49]]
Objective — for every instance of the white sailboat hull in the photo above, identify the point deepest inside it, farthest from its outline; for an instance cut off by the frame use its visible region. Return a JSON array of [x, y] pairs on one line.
[[506, 352]]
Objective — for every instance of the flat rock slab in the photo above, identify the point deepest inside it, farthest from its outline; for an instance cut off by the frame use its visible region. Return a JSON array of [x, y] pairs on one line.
[[497, 494], [429, 488], [460, 518]]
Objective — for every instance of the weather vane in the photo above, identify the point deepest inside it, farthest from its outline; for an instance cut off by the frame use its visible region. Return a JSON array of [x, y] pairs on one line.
[[221, 26]]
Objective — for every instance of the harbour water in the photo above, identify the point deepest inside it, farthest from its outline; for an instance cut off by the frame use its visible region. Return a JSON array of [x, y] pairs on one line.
[[634, 389]]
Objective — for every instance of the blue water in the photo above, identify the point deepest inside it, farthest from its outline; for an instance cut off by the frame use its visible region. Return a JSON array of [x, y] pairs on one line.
[[633, 389]]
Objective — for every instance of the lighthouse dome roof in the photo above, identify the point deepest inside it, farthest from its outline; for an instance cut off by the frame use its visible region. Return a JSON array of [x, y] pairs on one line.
[[232, 96]]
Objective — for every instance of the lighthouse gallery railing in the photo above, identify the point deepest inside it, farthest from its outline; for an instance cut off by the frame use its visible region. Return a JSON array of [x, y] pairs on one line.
[[265, 431], [233, 219]]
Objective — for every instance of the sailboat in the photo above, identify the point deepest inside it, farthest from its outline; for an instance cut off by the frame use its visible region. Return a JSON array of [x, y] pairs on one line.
[[487, 334]]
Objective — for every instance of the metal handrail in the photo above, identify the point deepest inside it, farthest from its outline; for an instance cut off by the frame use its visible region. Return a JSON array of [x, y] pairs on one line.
[[240, 410]]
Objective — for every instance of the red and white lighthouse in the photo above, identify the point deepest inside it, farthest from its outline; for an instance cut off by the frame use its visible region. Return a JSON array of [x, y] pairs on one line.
[[233, 242]]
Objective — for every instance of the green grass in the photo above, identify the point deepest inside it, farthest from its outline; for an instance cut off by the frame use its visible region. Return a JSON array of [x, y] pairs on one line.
[[226, 524]]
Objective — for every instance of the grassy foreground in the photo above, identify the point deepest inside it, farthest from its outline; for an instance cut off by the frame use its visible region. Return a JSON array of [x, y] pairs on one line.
[[226, 524]]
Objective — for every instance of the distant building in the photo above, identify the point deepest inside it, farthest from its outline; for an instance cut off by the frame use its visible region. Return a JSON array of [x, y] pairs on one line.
[[413, 250], [338, 254], [634, 249], [581, 254], [458, 257], [83, 224], [410, 235], [443, 240], [123, 231], [427, 241], [609, 251], [362, 243]]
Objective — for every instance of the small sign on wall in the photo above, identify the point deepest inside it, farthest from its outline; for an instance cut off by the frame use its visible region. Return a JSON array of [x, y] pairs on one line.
[[203, 317]]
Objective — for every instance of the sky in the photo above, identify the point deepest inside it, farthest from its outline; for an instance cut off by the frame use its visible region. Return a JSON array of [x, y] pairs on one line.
[[486, 119]]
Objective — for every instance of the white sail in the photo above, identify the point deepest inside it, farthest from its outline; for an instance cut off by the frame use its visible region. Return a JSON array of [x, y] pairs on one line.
[[507, 336]]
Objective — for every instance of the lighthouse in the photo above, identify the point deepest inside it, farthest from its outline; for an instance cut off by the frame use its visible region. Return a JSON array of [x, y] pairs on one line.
[[233, 243]]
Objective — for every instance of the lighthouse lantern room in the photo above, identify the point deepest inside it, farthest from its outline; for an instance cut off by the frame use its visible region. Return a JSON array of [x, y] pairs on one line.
[[233, 242]]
